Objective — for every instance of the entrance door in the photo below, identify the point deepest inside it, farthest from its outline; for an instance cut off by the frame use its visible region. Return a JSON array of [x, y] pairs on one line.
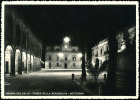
[[7, 66], [49, 65], [65, 65]]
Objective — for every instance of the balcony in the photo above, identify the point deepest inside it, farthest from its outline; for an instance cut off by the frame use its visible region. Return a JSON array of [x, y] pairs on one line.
[[106, 52], [96, 55]]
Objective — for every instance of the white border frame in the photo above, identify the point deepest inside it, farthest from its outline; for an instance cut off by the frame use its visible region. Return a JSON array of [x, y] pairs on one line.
[[70, 3]]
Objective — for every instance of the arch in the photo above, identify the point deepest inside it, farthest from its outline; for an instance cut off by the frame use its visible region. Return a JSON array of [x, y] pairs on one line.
[[24, 62], [18, 68], [28, 63], [9, 57]]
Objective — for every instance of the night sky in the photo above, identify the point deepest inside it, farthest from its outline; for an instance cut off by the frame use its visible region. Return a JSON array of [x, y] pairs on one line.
[[85, 24]]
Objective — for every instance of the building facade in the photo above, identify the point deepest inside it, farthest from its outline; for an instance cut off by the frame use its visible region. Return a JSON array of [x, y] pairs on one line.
[[100, 51], [63, 57], [22, 50]]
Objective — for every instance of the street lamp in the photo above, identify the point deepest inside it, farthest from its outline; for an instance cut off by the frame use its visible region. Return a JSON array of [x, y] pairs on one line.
[[60, 54], [66, 46], [80, 55]]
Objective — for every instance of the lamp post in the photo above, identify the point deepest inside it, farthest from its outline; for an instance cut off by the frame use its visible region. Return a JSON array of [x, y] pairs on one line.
[[60, 55], [80, 55]]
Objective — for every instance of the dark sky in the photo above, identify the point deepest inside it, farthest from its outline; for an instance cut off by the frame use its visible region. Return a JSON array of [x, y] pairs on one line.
[[84, 24], [51, 23]]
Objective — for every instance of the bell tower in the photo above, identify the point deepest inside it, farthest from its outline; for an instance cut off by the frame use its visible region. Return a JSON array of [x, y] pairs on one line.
[[66, 44]]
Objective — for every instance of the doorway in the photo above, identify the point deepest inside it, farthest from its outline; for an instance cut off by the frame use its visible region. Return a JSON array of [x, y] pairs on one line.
[[65, 65], [49, 65]]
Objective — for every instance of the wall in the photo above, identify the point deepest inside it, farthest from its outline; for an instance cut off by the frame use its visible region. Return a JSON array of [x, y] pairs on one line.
[[100, 51]]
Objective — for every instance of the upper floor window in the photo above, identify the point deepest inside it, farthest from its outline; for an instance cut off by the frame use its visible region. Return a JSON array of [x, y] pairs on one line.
[[96, 54], [101, 51], [65, 58], [74, 58], [57, 58]]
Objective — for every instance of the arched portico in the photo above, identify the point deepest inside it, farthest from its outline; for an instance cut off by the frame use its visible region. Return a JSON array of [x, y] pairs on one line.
[[24, 70], [9, 57], [18, 68], [28, 63]]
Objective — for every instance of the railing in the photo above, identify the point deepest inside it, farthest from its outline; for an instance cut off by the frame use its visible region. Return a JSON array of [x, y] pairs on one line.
[[106, 52]]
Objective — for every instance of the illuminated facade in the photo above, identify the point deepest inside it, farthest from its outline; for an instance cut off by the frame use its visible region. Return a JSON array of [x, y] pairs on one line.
[[124, 37], [23, 51], [100, 51], [63, 57]]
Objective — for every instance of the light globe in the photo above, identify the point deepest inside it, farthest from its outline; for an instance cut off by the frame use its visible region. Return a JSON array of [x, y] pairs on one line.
[[66, 39]]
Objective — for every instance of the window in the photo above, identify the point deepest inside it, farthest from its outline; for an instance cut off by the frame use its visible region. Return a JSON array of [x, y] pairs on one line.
[[74, 58], [57, 58], [73, 64], [65, 58], [101, 51], [50, 58], [106, 50], [57, 64], [49, 65], [96, 54]]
